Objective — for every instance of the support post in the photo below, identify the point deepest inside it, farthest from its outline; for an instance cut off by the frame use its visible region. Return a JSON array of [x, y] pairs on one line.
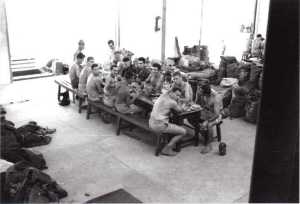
[[201, 22], [275, 170], [163, 31]]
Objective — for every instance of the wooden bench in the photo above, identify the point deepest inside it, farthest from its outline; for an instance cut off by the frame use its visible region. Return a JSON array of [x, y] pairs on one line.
[[161, 139], [66, 84], [138, 121]]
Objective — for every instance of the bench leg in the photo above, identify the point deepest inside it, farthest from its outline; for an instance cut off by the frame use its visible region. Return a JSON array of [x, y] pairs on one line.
[[59, 93], [178, 146], [73, 96], [88, 111], [196, 136], [80, 104], [159, 144], [218, 127], [206, 137], [118, 125]]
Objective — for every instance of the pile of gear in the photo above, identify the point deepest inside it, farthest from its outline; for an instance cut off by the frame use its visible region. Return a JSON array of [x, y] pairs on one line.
[[24, 181], [194, 58], [243, 99]]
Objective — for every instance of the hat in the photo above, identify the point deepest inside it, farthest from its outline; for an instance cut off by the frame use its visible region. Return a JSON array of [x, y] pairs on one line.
[[228, 82]]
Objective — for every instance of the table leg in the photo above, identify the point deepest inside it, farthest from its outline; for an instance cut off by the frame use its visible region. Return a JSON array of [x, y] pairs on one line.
[[206, 137], [88, 111], [118, 125], [218, 127], [58, 93], [196, 136], [195, 121]]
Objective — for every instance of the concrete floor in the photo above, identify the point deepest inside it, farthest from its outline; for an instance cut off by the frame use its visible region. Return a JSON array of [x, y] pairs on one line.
[[88, 159]]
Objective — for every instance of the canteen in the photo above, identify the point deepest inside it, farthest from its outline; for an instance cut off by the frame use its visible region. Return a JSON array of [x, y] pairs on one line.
[[222, 149]]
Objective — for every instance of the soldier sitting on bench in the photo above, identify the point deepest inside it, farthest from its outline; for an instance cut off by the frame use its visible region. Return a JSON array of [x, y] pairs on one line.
[[212, 113], [110, 87], [159, 119], [94, 85], [125, 96]]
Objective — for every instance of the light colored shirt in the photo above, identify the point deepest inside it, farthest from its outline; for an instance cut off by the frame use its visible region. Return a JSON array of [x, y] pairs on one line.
[[94, 87], [111, 55], [162, 108], [75, 71], [110, 90], [188, 92], [257, 47], [83, 77]]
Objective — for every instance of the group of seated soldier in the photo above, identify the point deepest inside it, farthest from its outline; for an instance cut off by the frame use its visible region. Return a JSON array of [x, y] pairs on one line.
[[127, 80]]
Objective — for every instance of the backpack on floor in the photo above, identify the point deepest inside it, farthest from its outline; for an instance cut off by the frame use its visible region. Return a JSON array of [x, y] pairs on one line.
[[252, 106], [24, 184], [30, 135], [251, 114], [65, 100], [35, 158]]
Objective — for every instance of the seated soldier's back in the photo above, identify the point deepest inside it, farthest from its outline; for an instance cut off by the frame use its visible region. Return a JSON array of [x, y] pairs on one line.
[[122, 93], [83, 77], [94, 87], [162, 108]]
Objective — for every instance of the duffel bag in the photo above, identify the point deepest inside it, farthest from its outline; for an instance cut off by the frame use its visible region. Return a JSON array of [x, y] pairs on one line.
[[251, 111]]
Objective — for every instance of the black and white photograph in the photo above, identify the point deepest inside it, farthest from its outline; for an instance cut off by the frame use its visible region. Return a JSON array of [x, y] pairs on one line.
[[149, 101]]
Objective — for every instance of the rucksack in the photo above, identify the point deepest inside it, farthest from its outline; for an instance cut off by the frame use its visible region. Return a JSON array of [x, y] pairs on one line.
[[251, 108], [232, 70], [237, 107], [30, 135], [34, 157], [254, 74], [251, 111], [24, 184], [65, 100], [225, 61]]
